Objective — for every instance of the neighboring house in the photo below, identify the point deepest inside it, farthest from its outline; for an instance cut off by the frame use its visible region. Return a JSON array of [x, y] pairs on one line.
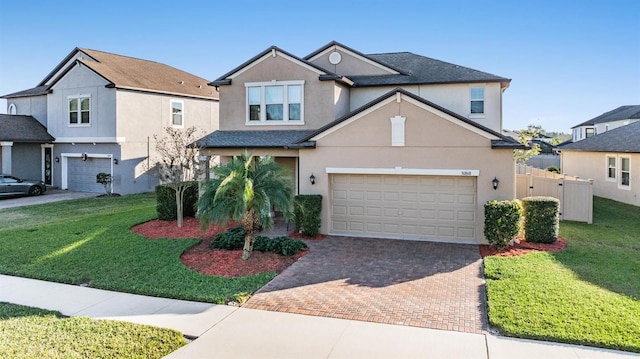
[[399, 145], [611, 159], [103, 110], [621, 116]]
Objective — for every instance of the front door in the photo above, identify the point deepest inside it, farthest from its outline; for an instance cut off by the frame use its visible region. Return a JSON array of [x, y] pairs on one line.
[[47, 165]]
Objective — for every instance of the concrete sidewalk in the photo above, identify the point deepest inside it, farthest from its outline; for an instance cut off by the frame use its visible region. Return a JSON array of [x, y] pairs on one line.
[[230, 332]]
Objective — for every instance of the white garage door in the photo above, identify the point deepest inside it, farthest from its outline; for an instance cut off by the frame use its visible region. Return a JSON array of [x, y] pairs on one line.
[[81, 175], [404, 207]]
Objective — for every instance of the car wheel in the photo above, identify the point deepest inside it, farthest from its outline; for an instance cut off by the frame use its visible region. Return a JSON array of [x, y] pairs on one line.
[[35, 191]]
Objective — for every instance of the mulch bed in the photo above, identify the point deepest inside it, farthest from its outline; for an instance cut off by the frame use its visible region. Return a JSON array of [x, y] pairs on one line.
[[203, 259], [524, 247]]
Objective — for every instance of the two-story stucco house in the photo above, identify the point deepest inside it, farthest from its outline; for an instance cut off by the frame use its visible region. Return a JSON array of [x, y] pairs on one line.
[[399, 145], [620, 116], [103, 110]]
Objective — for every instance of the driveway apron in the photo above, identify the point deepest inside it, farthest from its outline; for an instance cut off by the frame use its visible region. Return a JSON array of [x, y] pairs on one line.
[[414, 283]]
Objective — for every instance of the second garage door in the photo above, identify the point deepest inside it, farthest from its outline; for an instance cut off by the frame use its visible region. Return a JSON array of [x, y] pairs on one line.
[[404, 207]]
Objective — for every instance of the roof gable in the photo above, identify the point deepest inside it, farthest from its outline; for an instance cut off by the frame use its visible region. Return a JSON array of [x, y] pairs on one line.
[[622, 139], [618, 114], [322, 58], [20, 128], [403, 95], [272, 51]]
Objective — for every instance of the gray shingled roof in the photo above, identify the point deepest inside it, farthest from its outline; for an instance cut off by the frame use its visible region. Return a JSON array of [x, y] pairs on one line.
[[620, 113], [252, 139], [423, 70], [20, 128], [622, 139], [36, 91]]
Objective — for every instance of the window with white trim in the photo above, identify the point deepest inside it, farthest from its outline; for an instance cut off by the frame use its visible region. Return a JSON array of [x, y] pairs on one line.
[[611, 168], [477, 100], [13, 110], [177, 113], [79, 110], [625, 172], [275, 102]]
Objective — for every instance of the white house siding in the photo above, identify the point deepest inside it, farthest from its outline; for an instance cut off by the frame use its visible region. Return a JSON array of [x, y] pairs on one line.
[[608, 126], [453, 97], [140, 117], [593, 165]]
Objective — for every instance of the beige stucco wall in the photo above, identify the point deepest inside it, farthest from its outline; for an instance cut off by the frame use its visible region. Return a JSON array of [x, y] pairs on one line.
[[319, 96], [350, 65], [453, 97], [431, 142], [593, 165]]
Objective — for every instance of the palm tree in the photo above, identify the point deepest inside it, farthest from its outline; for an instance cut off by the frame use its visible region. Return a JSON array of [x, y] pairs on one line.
[[244, 190]]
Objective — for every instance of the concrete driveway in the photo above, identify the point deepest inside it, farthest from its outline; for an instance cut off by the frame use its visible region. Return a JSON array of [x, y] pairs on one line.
[[413, 283], [51, 195]]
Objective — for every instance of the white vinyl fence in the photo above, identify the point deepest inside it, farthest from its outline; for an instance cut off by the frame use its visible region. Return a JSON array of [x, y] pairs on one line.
[[575, 194]]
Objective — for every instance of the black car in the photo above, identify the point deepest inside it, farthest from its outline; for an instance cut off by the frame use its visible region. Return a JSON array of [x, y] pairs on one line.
[[12, 185]]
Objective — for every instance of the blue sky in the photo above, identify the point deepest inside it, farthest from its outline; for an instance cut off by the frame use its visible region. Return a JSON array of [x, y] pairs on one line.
[[569, 61]]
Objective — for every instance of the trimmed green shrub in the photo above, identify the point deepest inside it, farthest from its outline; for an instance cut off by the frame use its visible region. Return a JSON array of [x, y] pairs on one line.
[[541, 219], [553, 169], [502, 221], [306, 213], [231, 239], [166, 202], [234, 239]]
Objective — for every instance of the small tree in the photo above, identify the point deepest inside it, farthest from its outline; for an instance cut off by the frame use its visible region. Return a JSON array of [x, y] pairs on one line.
[[178, 162], [524, 137], [106, 180], [244, 190]]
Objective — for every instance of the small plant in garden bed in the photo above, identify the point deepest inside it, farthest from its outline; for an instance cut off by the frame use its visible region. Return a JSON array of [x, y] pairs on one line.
[[234, 239]]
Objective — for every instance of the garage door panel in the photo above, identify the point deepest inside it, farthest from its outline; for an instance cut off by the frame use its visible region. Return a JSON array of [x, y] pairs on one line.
[[81, 175], [414, 207]]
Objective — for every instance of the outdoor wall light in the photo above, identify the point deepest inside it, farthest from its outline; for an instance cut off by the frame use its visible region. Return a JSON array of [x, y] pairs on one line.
[[84, 157], [312, 178], [115, 161], [57, 159], [495, 183]]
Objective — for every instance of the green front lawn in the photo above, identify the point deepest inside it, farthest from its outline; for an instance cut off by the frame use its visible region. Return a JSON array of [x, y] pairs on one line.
[[89, 241], [588, 293], [27, 332]]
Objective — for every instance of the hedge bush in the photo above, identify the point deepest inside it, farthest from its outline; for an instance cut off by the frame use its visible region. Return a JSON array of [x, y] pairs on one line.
[[541, 219], [234, 239], [555, 169], [166, 201], [502, 221], [306, 213]]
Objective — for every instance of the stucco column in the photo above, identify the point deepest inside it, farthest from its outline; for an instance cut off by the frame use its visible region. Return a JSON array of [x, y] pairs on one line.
[[6, 157]]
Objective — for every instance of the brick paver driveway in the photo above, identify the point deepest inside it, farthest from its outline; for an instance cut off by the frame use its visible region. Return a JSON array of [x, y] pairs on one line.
[[422, 284]]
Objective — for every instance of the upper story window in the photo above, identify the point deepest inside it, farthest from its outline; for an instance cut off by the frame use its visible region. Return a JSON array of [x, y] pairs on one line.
[[177, 113], [589, 132], [275, 102], [477, 100], [12, 110], [79, 110]]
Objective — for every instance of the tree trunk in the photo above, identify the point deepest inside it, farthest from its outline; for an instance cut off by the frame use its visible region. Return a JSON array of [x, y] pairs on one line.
[[249, 223], [179, 210]]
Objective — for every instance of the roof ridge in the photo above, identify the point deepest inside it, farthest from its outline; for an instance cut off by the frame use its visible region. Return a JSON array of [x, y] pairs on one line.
[[129, 57]]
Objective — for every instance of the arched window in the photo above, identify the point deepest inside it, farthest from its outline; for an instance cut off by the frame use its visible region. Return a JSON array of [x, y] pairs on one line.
[[12, 109]]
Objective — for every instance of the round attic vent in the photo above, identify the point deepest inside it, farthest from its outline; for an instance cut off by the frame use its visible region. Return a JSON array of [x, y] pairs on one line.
[[335, 58]]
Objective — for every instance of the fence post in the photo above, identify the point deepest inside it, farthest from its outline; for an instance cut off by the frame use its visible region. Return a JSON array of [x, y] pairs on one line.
[[561, 196]]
